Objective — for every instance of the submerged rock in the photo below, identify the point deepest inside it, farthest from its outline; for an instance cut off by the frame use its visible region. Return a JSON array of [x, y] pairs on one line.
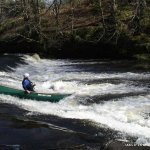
[[36, 56]]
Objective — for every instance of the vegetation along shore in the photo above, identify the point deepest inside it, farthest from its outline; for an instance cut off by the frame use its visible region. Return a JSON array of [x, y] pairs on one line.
[[112, 29]]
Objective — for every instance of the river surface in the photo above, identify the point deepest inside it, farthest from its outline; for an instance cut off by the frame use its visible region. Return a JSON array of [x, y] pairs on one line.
[[110, 101]]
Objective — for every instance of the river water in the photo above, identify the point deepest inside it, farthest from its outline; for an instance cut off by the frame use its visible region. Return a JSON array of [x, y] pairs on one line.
[[110, 101]]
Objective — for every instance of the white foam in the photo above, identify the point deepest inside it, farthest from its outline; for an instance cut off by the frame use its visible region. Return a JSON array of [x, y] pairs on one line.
[[128, 115], [113, 114]]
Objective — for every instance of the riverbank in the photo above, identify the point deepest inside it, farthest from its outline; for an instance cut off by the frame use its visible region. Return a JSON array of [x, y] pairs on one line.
[[82, 29], [77, 50]]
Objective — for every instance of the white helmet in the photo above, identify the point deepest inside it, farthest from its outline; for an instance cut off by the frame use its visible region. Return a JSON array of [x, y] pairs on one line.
[[26, 75]]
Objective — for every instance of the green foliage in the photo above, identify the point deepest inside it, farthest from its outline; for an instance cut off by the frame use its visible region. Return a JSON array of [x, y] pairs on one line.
[[142, 38], [87, 26], [145, 47], [142, 65], [142, 42], [96, 8], [77, 38], [10, 23], [81, 32], [125, 14], [142, 57], [88, 33]]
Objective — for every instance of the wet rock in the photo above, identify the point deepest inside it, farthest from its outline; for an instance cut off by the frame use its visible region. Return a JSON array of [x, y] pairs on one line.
[[36, 56]]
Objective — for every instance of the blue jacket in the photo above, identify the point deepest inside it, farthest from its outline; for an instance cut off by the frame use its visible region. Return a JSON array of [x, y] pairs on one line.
[[26, 83]]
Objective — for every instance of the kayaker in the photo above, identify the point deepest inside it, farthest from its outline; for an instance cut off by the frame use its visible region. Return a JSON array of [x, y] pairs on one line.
[[27, 84]]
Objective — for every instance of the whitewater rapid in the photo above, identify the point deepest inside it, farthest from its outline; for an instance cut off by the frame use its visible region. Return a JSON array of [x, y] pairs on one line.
[[129, 115]]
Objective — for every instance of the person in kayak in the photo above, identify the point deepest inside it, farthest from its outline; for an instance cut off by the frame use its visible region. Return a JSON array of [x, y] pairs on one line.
[[27, 84]]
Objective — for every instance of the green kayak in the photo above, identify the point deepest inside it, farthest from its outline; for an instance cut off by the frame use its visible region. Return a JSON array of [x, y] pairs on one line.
[[54, 97]]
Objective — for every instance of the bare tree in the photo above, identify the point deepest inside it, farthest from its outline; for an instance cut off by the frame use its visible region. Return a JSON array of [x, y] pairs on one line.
[[134, 23], [103, 19], [2, 5], [56, 10]]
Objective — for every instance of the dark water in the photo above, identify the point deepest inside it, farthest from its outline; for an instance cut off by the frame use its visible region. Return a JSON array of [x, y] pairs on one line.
[[22, 128]]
